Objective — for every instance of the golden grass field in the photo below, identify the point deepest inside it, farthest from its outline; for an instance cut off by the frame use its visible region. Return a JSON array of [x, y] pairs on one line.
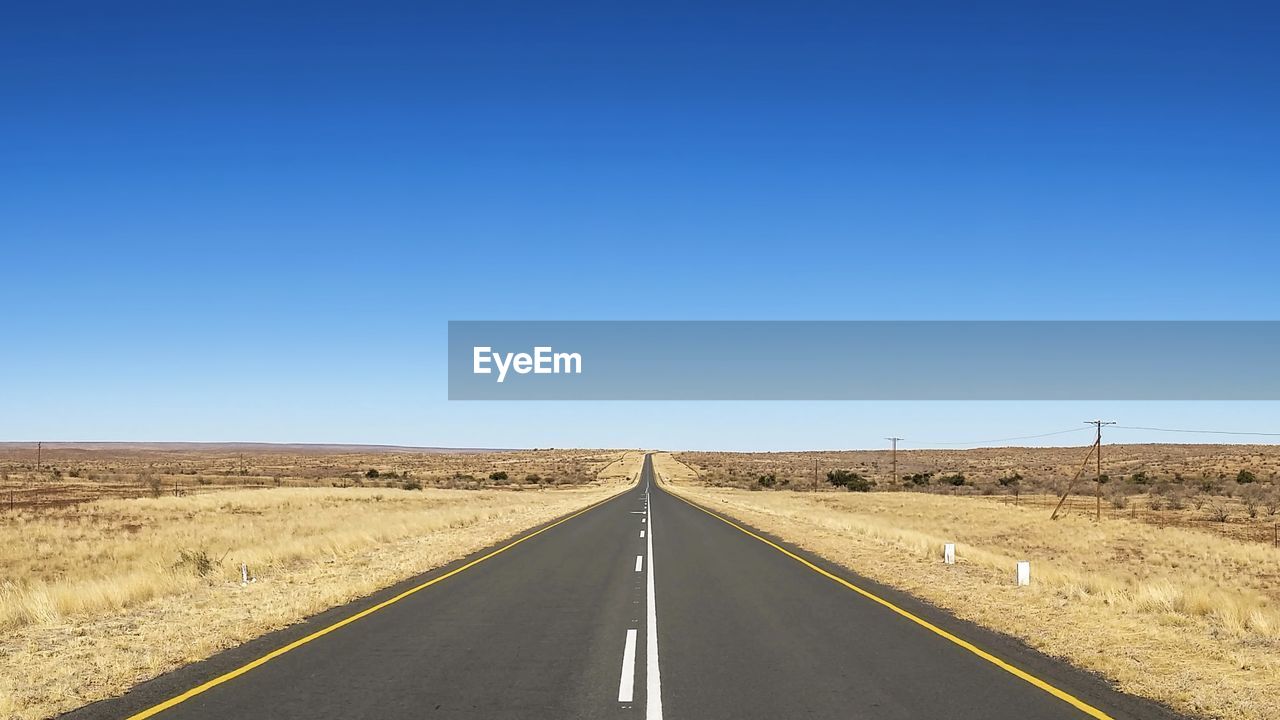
[[1181, 614], [103, 593]]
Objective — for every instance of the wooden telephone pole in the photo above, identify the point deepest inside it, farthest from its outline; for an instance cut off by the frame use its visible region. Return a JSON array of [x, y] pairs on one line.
[[894, 477], [1098, 444], [1096, 447]]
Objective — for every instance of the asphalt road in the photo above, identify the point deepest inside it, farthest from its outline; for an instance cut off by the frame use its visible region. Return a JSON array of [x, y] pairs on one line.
[[578, 620]]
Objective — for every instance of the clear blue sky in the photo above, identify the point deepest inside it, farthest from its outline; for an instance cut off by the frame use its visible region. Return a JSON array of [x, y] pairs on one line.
[[223, 222]]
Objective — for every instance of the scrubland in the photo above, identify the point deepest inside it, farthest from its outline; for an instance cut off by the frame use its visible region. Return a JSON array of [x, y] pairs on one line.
[[1176, 613], [1196, 486], [100, 594]]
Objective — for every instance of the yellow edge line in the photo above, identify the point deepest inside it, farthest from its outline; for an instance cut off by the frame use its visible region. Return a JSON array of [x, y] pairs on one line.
[[1011, 669], [347, 621]]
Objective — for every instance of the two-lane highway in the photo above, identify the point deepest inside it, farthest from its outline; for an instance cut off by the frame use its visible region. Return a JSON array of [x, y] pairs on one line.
[[644, 606]]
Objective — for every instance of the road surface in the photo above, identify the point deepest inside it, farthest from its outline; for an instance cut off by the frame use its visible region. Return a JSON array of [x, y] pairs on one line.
[[641, 607]]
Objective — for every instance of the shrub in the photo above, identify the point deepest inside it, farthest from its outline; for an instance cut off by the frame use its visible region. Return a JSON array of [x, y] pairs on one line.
[[197, 562], [1139, 478], [152, 483], [849, 480], [533, 478], [1011, 480], [767, 481], [411, 485], [917, 479], [955, 479], [498, 476], [1245, 477], [372, 474]]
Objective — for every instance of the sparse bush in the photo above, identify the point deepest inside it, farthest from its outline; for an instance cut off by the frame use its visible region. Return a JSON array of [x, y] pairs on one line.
[[498, 476], [532, 479], [411, 485], [1139, 478], [196, 562], [954, 479], [1010, 480], [1219, 512], [849, 480], [152, 483], [917, 479], [767, 480], [372, 474], [1253, 497]]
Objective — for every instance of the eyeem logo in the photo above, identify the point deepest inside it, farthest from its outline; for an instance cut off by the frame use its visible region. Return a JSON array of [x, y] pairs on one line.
[[543, 361]]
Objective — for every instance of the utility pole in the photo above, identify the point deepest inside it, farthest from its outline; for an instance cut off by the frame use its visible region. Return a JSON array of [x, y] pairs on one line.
[[894, 478], [815, 474], [1098, 443], [39, 455]]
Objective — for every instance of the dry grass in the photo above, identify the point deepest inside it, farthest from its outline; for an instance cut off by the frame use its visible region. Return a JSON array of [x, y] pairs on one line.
[[1172, 614], [101, 595]]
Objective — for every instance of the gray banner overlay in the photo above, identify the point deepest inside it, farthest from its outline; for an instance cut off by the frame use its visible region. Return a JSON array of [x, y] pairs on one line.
[[865, 360]]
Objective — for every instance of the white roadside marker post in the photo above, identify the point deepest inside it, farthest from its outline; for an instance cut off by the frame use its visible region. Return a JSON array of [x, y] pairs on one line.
[[949, 553], [1024, 573], [244, 574]]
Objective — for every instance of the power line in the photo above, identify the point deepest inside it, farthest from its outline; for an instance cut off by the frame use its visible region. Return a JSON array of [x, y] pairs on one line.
[[997, 440], [1196, 432], [1075, 430]]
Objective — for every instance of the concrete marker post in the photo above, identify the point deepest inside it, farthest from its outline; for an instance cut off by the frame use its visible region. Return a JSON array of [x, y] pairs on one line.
[[949, 553], [1024, 573]]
